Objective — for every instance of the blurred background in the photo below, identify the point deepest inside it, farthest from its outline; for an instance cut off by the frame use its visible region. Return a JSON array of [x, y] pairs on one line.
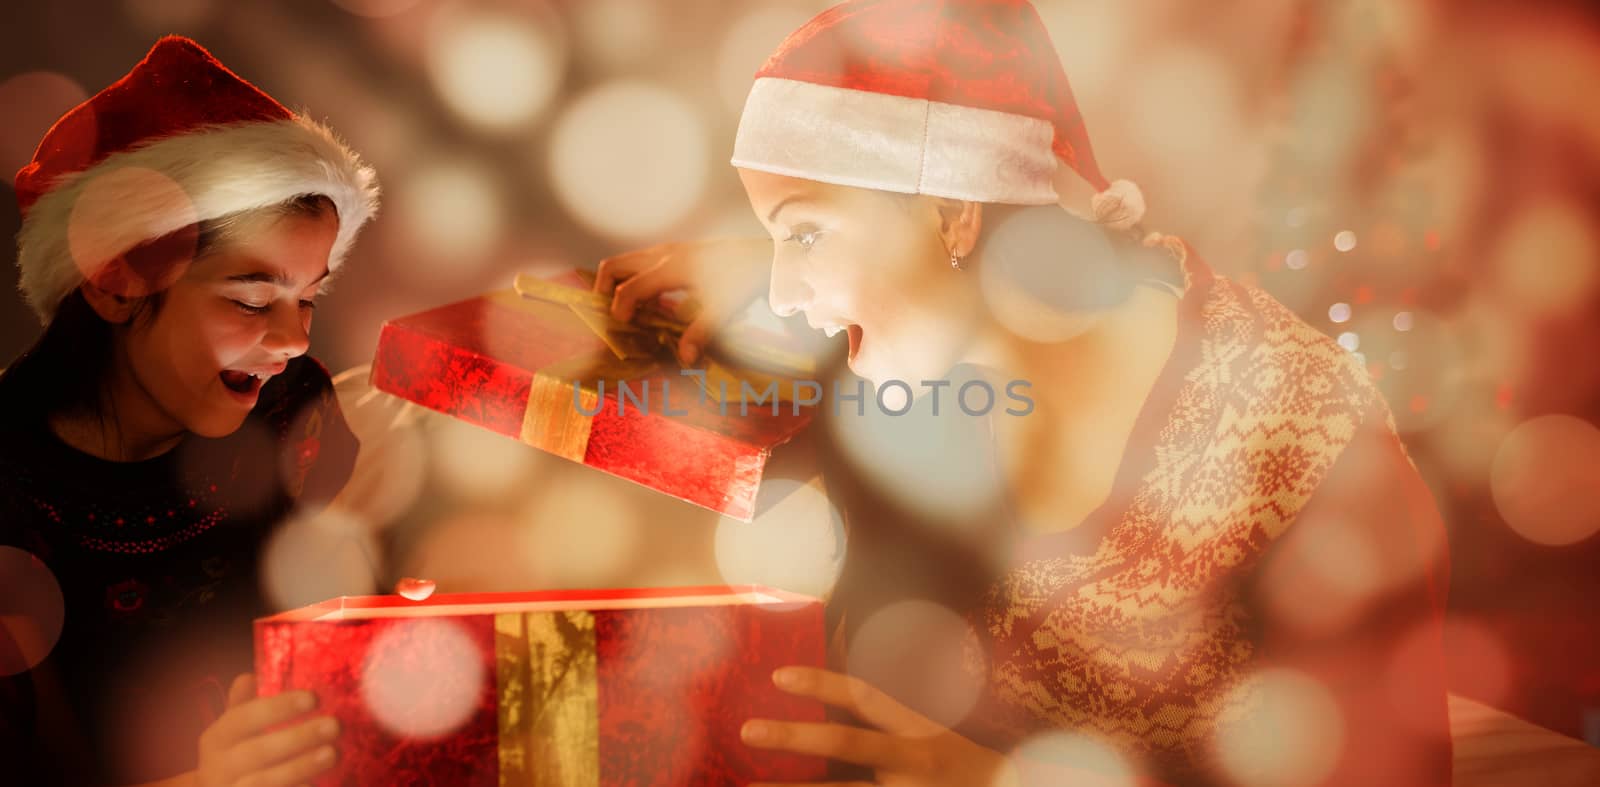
[[1417, 179]]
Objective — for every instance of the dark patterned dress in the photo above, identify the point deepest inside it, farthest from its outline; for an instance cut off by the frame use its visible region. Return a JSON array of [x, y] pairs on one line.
[[158, 564]]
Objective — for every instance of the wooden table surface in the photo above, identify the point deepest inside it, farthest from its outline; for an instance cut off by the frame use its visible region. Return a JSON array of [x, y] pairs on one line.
[[1496, 749]]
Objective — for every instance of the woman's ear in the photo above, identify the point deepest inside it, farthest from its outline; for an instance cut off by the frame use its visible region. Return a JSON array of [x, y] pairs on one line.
[[959, 225], [114, 309]]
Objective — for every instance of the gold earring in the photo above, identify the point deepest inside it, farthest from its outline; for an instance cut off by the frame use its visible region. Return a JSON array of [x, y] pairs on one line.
[[955, 262]]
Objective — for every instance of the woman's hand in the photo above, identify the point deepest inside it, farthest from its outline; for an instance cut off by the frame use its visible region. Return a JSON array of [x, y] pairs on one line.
[[724, 276], [905, 750], [237, 750]]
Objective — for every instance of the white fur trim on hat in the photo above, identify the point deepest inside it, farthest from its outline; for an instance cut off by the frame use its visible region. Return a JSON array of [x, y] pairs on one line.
[[894, 143], [218, 170]]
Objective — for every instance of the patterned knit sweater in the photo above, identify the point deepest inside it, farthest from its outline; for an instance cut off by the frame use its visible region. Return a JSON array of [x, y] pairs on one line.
[[1259, 599]]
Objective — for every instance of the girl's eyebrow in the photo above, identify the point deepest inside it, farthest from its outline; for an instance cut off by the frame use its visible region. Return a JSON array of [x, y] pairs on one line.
[[272, 276]]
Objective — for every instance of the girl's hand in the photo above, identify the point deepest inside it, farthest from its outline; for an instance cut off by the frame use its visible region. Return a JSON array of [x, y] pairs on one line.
[[906, 749], [724, 275], [237, 751]]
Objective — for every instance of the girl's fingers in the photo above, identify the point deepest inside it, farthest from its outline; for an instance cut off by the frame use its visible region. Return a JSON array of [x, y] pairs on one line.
[[859, 697], [262, 751], [835, 741], [242, 690], [295, 771], [249, 718]]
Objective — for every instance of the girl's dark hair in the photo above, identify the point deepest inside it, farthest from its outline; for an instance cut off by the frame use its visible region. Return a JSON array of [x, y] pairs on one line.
[[65, 370]]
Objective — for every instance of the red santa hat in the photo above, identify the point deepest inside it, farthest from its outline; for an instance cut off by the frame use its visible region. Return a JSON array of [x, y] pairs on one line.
[[963, 99], [180, 139]]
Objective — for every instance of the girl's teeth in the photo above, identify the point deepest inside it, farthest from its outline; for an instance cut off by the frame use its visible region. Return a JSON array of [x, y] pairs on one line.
[[832, 331]]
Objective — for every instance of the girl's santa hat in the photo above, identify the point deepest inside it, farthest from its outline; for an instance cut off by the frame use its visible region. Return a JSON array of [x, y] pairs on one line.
[[963, 99], [179, 140]]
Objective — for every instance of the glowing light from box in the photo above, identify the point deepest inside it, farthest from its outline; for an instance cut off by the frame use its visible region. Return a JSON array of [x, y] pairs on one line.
[[1548, 259], [313, 558], [580, 532], [1085, 755], [422, 678], [475, 463], [452, 210], [629, 159], [34, 611], [31, 103], [496, 71], [795, 542], [924, 655], [1290, 732], [747, 44], [929, 463], [1545, 480]]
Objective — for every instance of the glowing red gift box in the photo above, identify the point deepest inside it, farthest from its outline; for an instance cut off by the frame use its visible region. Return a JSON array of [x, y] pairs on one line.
[[510, 363], [573, 688]]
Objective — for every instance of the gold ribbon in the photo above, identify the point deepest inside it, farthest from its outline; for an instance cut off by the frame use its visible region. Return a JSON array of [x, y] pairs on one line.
[[549, 707]]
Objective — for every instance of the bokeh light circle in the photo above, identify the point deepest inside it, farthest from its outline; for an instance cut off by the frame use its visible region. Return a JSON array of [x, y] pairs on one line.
[[629, 159], [32, 611], [497, 71], [795, 542], [1548, 259], [452, 207], [1084, 755], [423, 678], [748, 42], [916, 651], [1289, 731], [1546, 480], [376, 9], [31, 103], [315, 557], [101, 204], [936, 465]]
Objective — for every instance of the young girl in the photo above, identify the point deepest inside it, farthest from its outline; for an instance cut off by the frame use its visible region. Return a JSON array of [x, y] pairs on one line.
[[1213, 561], [177, 228]]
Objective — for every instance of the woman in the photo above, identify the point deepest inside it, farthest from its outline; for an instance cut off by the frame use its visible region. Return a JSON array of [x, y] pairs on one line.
[[1159, 586], [177, 228]]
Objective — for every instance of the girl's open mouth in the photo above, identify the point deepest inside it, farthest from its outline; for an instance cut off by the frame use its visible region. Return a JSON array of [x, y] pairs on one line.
[[854, 332], [242, 383]]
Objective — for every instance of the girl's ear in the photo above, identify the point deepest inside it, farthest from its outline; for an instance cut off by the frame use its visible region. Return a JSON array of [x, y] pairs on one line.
[[114, 309]]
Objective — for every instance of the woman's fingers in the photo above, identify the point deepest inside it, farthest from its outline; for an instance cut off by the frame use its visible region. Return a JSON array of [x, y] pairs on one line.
[[695, 337], [666, 274], [835, 741], [262, 751], [614, 270], [859, 697], [251, 717], [295, 771]]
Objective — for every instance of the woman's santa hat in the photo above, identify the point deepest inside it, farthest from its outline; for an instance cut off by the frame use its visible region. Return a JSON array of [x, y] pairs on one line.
[[963, 99], [180, 139]]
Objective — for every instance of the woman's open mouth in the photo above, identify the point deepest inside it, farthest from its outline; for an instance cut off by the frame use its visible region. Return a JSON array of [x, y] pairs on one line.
[[854, 332]]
